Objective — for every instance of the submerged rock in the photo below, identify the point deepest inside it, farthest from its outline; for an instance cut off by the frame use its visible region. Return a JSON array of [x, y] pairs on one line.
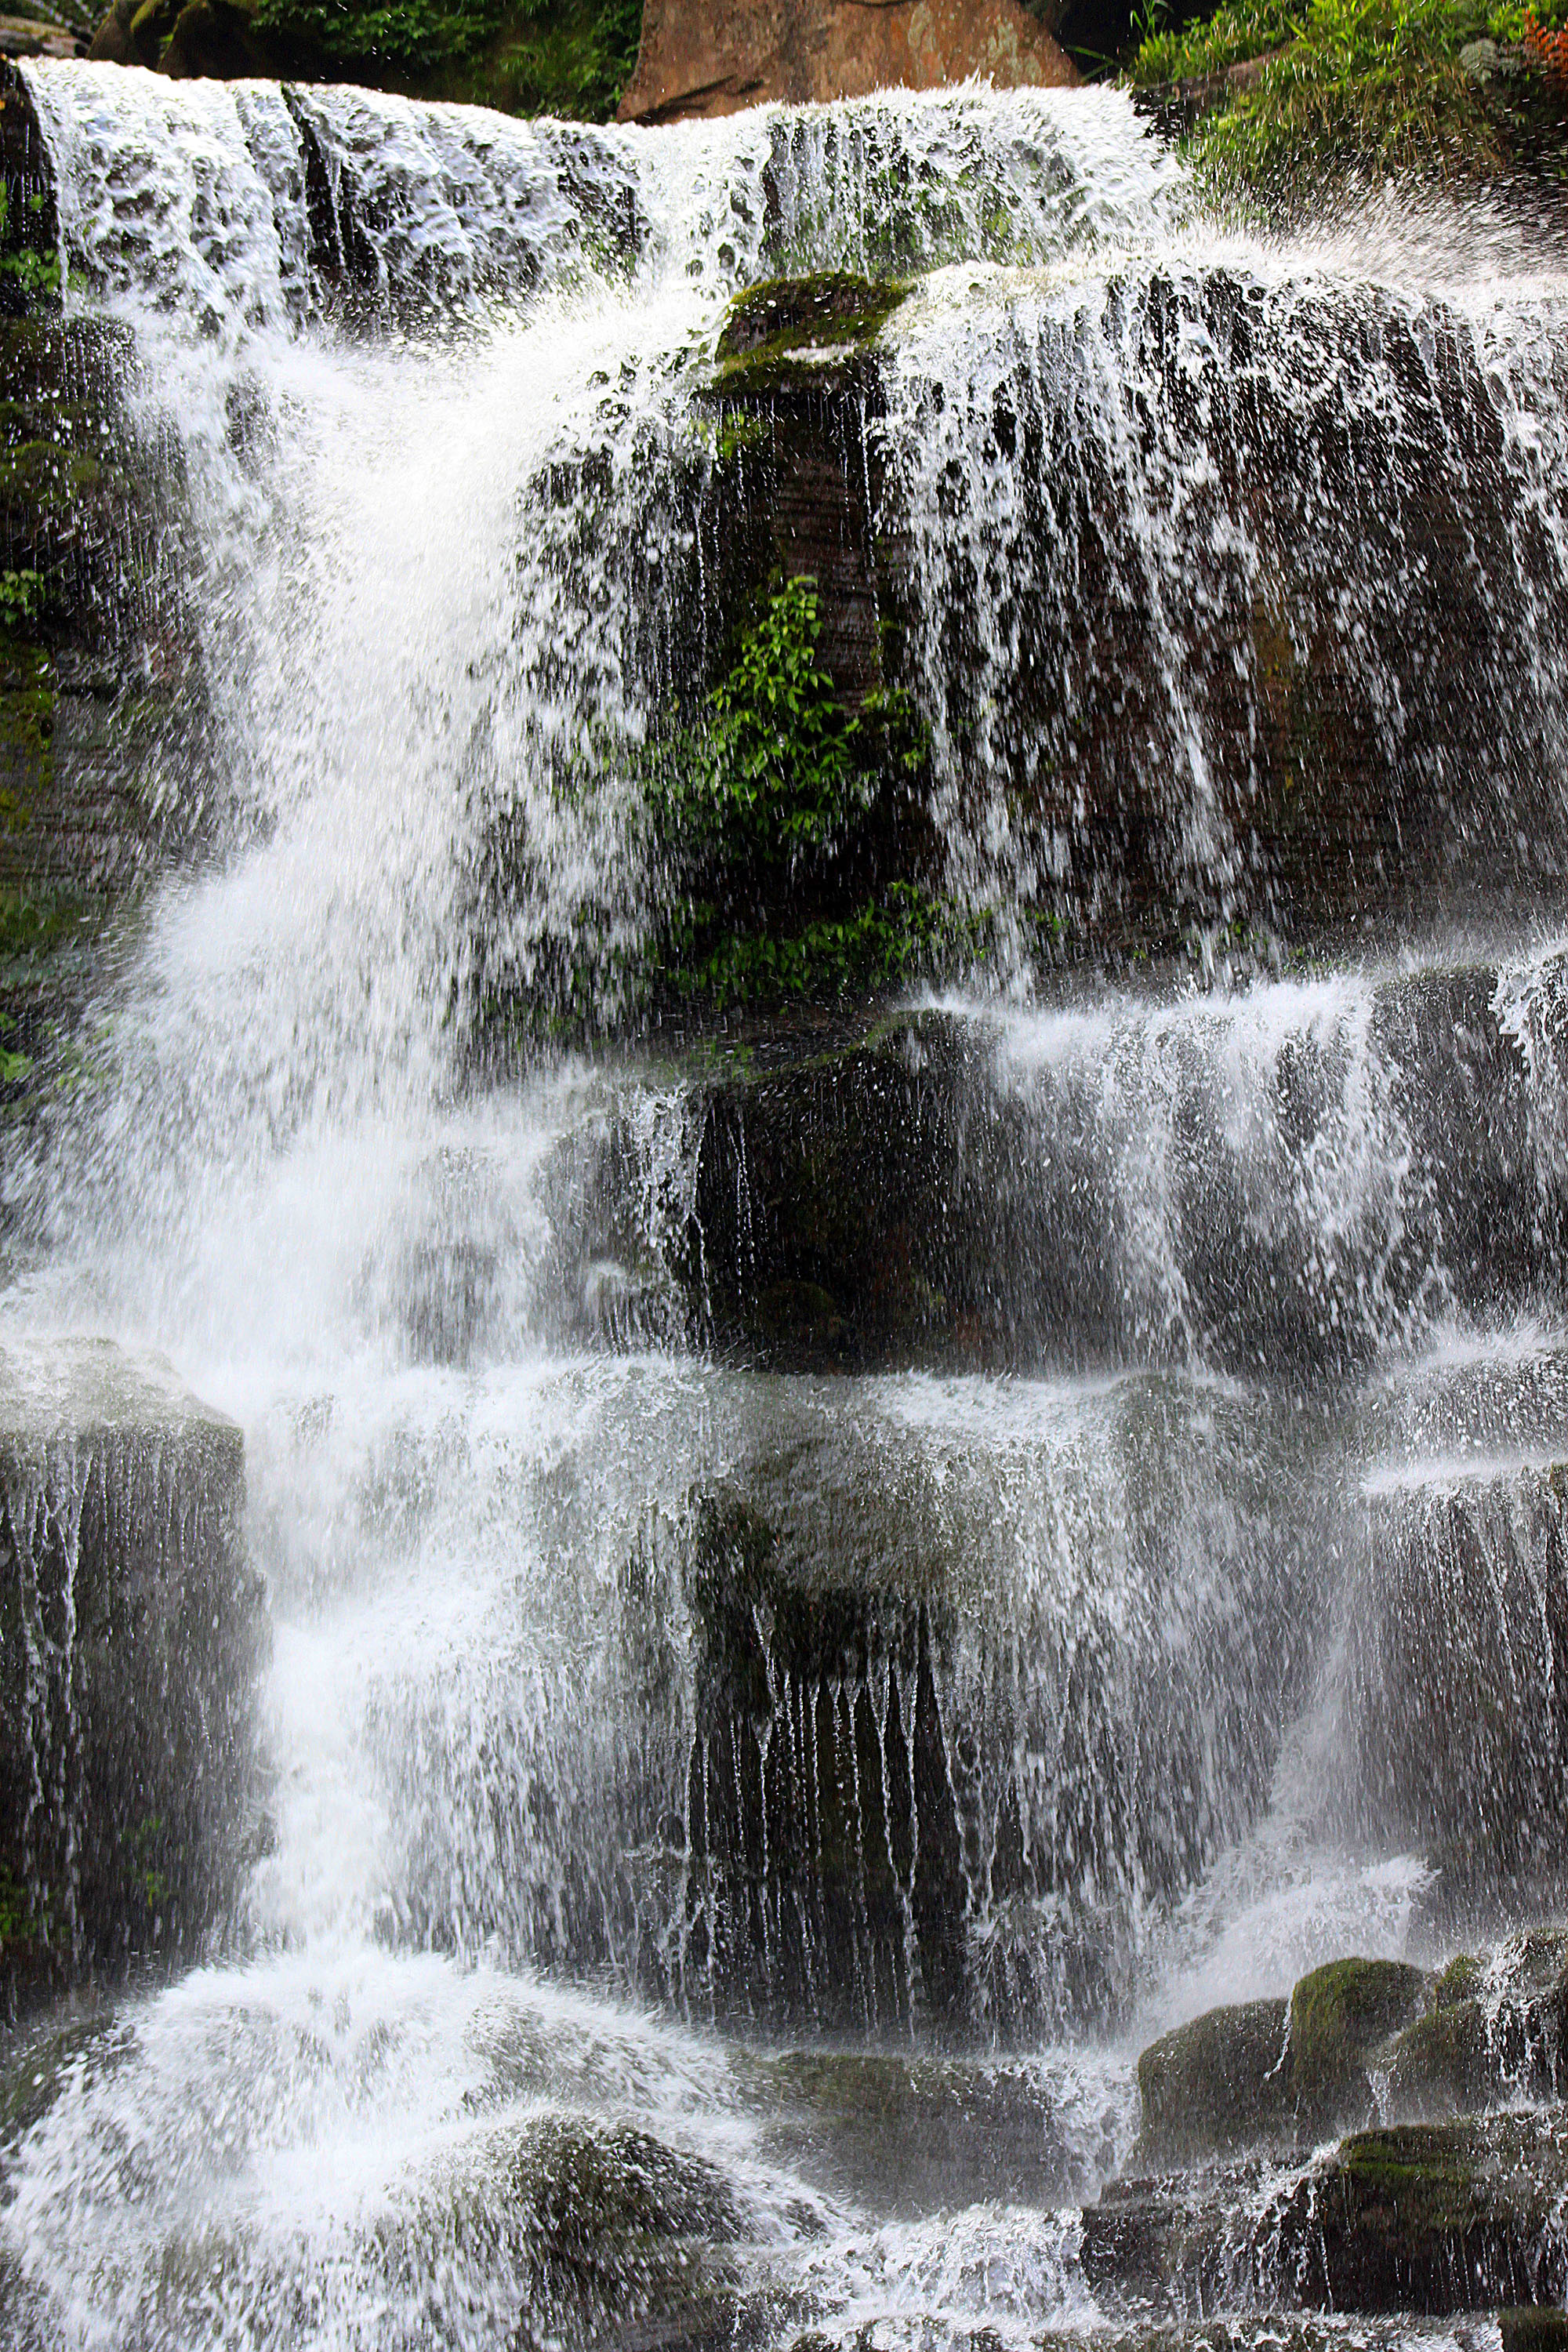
[[131, 1628], [906, 2134]]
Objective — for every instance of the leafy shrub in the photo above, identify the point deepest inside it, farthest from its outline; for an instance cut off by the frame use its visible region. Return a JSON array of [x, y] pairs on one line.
[[771, 827], [569, 58], [1370, 88]]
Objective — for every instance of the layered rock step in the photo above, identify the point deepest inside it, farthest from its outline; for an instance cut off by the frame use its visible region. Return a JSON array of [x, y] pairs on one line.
[[131, 1628], [1281, 1181], [1448, 2197]]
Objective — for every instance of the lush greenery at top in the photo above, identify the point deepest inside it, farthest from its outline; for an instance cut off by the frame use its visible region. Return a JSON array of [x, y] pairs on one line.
[[571, 58], [1371, 88]]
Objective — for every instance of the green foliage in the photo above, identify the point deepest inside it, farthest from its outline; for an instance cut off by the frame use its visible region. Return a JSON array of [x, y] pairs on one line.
[[407, 36], [27, 1914], [890, 940], [1364, 88], [569, 58], [770, 813], [573, 60], [29, 275], [782, 768], [21, 599]]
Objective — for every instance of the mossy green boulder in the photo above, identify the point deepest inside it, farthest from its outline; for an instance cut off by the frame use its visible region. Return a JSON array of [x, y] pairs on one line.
[[1339, 2016], [1494, 2035], [1217, 2084], [1274, 2071]]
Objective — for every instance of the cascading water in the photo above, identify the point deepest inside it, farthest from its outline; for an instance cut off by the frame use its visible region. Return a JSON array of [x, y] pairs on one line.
[[631, 1712]]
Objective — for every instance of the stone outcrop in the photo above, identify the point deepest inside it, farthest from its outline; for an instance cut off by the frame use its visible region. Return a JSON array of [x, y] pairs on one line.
[[903, 1195], [1273, 2071], [707, 61], [131, 1630], [1416, 2218]]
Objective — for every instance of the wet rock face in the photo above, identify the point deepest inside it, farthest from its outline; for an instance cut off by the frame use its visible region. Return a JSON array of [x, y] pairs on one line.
[[1459, 1609], [131, 1633], [695, 61], [933, 1193], [936, 1772], [1434, 2218]]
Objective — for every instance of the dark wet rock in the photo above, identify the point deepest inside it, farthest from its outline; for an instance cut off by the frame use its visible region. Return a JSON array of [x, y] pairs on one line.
[[99, 703], [919, 1192], [867, 1838], [1220, 2083], [1435, 2218], [38, 2058], [914, 1717], [131, 1632], [1455, 1679], [1533, 2328], [907, 2134]]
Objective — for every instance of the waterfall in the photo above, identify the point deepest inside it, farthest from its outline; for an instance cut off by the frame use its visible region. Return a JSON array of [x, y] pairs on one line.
[[1020, 1660]]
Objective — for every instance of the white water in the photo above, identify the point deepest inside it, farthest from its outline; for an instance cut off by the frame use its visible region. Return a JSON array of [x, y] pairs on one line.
[[290, 1187]]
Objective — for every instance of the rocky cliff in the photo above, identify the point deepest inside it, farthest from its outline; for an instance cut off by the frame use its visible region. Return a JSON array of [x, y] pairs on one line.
[[714, 61]]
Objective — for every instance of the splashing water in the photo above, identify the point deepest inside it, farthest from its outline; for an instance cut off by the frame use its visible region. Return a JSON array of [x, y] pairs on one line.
[[429, 374]]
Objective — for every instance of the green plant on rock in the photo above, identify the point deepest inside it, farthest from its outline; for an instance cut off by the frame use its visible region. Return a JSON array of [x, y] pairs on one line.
[[769, 826], [21, 600], [26, 1913], [26, 275], [569, 58]]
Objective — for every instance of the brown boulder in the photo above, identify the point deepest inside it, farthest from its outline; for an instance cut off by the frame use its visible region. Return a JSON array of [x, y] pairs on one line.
[[698, 62]]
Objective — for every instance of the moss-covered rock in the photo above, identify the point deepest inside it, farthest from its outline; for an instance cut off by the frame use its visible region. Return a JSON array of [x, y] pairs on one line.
[[780, 334], [1285, 2072], [1436, 2218], [1341, 2015], [601, 2228], [1432, 2219], [1533, 2328], [1495, 2036], [1220, 2083]]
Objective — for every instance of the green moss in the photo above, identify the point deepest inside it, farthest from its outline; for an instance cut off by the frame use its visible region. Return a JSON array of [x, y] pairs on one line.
[[1339, 2015], [1425, 2174], [1461, 1981], [771, 327], [29, 700]]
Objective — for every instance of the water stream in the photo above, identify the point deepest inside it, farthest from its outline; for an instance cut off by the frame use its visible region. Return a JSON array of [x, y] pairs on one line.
[[1272, 1376]]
